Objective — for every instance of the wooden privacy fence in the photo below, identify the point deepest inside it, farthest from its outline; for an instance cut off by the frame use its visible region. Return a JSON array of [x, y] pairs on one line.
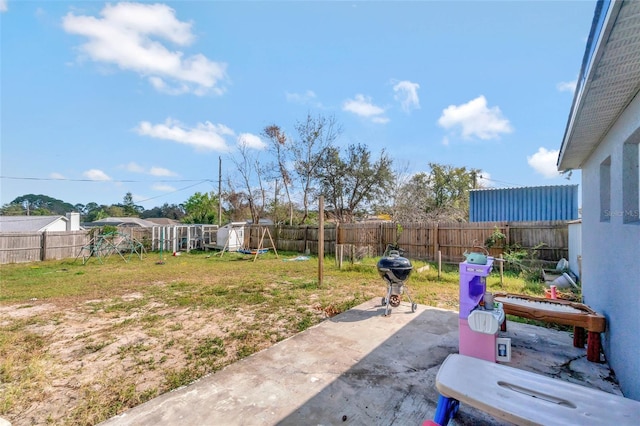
[[418, 240], [301, 239], [425, 240], [37, 246]]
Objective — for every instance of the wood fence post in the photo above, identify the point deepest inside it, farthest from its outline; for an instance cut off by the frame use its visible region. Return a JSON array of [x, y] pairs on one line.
[[321, 241], [506, 234], [436, 244], [439, 264], [501, 271], [43, 245]]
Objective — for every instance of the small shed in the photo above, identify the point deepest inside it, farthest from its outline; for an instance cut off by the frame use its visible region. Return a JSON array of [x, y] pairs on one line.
[[231, 236]]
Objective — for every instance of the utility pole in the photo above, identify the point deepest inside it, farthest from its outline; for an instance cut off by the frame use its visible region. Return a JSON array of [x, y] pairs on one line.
[[219, 191]]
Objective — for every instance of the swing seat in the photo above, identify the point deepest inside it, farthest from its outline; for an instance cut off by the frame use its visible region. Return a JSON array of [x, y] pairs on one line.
[[254, 251]]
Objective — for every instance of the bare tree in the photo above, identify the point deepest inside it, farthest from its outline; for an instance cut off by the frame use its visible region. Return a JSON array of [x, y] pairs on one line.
[[412, 199], [315, 136], [250, 173], [392, 204], [279, 148], [238, 206]]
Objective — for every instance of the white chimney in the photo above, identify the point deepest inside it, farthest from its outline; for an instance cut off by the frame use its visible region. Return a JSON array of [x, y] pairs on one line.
[[73, 224]]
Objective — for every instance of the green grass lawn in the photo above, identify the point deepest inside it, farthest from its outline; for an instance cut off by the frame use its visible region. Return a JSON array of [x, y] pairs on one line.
[[81, 343]]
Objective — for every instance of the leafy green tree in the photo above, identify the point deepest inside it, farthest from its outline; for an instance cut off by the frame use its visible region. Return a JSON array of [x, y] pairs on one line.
[[173, 211], [129, 207], [43, 205], [201, 208], [351, 184], [114, 210], [95, 212], [13, 209], [80, 208], [442, 194], [450, 186], [170, 211]]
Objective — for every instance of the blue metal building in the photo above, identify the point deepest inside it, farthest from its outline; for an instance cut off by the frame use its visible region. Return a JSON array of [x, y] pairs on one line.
[[526, 204]]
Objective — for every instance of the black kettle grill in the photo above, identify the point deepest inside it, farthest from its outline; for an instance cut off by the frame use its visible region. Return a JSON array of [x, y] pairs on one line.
[[395, 270]]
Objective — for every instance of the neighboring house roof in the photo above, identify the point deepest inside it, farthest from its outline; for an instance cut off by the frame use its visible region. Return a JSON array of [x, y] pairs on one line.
[[163, 221], [608, 81], [260, 222], [122, 221], [28, 223]]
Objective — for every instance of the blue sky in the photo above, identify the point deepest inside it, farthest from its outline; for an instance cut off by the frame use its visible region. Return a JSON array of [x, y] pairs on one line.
[[99, 99]]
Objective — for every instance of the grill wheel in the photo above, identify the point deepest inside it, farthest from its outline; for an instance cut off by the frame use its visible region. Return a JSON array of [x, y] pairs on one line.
[[394, 300]]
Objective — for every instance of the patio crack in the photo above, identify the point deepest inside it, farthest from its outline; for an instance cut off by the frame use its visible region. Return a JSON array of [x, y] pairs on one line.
[[397, 408]]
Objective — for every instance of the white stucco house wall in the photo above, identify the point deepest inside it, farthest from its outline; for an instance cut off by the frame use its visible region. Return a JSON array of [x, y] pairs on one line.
[[602, 139]]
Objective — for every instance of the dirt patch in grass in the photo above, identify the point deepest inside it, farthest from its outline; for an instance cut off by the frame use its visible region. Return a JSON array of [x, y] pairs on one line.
[[86, 344]]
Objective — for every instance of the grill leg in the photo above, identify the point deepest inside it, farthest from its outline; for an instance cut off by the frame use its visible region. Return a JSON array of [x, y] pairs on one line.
[[386, 310], [414, 306], [406, 290]]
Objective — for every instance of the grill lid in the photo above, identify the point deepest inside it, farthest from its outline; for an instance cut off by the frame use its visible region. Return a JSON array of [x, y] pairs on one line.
[[394, 268]]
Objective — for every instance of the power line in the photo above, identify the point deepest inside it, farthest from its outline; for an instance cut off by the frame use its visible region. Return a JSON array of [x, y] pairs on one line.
[[499, 181], [197, 182], [173, 192], [106, 180]]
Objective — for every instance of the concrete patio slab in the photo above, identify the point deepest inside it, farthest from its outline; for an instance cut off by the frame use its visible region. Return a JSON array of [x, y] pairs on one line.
[[357, 368]]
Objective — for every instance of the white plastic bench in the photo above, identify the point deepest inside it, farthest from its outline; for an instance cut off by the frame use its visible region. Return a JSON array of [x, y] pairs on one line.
[[525, 398]]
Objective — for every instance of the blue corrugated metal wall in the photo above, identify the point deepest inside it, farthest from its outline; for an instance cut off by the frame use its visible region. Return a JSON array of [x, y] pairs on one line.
[[526, 204]]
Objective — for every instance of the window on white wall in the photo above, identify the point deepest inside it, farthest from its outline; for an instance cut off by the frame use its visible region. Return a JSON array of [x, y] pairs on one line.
[[605, 190], [631, 179]]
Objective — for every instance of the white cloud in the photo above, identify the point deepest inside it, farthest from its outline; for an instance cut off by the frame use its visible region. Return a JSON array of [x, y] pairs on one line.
[[163, 188], [127, 35], [3, 6], [205, 136], [567, 86], [484, 180], [544, 162], [380, 120], [95, 174], [363, 107], [161, 86], [251, 141], [475, 119], [300, 98], [133, 167], [56, 175], [161, 171], [407, 95]]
